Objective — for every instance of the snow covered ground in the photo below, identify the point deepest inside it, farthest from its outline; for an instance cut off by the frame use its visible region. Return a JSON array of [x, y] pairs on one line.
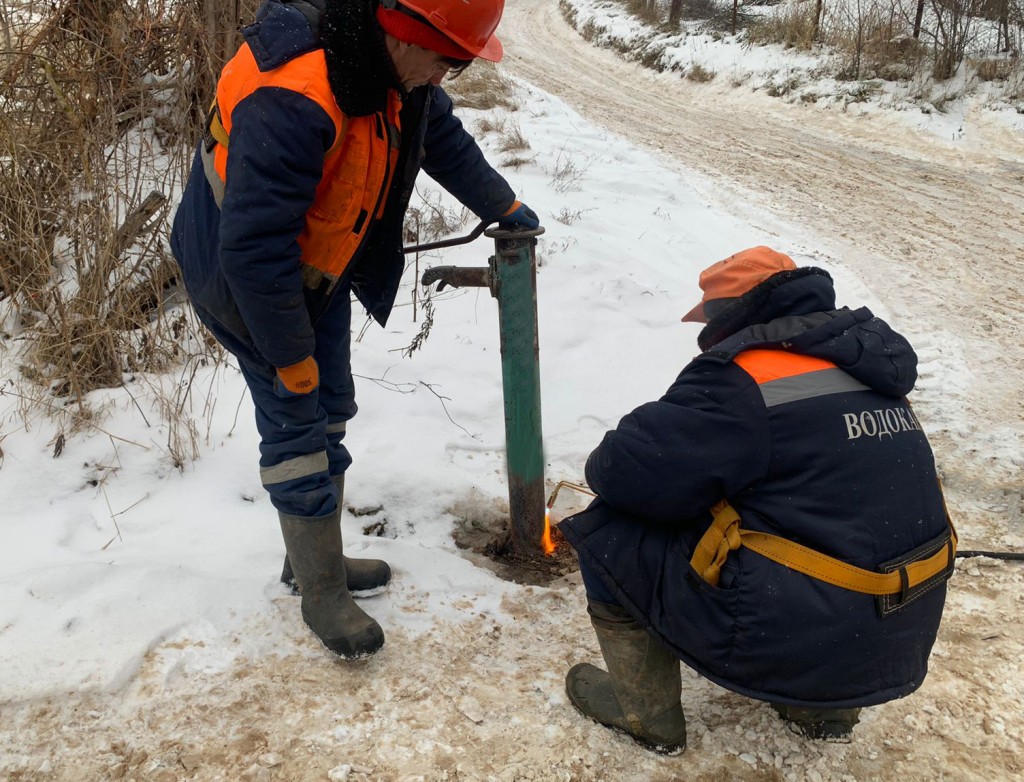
[[143, 634]]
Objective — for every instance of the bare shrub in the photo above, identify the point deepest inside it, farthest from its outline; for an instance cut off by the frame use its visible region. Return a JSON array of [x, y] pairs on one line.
[[954, 30], [1015, 85], [871, 40], [79, 251], [100, 107], [569, 13], [567, 175], [424, 224], [861, 91], [650, 56], [649, 11], [432, 220], [697, 9], [781, 85], [568, 216], [699, 73], [717, 17]]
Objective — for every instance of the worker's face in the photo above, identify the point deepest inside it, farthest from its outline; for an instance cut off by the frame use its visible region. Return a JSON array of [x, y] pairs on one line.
[[417, 66]]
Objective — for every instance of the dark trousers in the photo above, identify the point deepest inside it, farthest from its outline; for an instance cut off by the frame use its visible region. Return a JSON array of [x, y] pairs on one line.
[[597, 591], [301, 435]]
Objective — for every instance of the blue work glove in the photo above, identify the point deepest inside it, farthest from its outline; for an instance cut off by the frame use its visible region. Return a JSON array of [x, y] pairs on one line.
[[519, 215]]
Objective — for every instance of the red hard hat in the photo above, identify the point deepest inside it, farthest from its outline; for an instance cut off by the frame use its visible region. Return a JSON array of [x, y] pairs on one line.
[[470, 23]]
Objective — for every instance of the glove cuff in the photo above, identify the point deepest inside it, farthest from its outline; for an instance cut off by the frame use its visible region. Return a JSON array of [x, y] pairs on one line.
[[300, 378], [511, 209]]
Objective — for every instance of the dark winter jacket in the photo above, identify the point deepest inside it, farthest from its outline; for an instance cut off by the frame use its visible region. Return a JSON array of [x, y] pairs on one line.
[[242, 264], [833, 459]]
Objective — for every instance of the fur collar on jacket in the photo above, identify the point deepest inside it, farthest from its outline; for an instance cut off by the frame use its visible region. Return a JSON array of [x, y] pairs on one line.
[[359, 67], [795, 310], [773, 298]]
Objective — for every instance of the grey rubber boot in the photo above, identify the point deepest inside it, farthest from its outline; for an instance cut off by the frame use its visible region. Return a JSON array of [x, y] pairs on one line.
[[828, 724], [639, 694], [315, 551], [364, 577]]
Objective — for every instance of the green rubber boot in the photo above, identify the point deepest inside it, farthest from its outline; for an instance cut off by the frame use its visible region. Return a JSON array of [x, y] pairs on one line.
[[828, 724], [364, 577], [639, 694], [315, 550]]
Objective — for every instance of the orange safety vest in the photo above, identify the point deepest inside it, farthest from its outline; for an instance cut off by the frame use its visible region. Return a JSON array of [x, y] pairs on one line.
[[358, 167]]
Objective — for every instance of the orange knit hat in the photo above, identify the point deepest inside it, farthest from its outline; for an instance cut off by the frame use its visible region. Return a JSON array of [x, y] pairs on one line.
[[736, 275]]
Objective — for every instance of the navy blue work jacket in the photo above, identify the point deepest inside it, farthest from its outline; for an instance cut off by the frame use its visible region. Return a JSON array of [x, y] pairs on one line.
[[262, 303], [839, 464]]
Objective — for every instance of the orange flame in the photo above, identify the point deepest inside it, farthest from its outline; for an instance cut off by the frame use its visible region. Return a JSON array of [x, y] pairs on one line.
[[545, 540]]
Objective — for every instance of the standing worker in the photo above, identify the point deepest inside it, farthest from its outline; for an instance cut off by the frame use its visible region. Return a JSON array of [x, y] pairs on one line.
[[296, 199], [775, 520]]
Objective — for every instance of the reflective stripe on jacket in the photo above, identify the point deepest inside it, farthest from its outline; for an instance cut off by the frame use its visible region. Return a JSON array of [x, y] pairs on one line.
[[801, 423], [249, 264]]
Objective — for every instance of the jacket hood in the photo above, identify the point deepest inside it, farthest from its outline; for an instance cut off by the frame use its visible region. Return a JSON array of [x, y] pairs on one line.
[[281, 32], [795, 311]]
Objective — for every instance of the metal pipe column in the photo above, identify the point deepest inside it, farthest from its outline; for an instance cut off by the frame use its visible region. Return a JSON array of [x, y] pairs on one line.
[[514, 284]]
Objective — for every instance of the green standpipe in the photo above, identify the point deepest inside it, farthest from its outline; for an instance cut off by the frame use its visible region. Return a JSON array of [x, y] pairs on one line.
[[512, 278], [515, 286]]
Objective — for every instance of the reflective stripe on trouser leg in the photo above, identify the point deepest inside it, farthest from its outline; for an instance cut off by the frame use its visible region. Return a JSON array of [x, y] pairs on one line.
[[294, 465], [337, 454], [295, 427]]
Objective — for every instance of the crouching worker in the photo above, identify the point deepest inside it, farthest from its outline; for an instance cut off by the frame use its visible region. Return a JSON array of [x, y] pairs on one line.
[[296, 199], [774, 520]]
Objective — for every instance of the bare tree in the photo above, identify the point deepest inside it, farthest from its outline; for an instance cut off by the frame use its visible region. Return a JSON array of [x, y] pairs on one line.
[[819, 8], [918, 16], [954, 29]]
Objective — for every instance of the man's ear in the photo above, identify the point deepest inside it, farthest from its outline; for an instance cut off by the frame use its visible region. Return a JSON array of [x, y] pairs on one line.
[[396, 48]]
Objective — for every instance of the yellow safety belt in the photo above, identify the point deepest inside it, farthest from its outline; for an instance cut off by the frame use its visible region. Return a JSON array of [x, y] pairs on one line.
[[215, 127], [725, 535]]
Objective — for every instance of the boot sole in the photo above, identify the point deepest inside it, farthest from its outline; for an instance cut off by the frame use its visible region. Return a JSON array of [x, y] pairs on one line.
[[292, 588], [341, 652], [661, 749]]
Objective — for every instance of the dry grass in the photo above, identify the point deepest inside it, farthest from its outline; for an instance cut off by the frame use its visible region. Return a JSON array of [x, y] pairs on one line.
[[567, 174], [516, 161], [792, 26], [568, 216], [650, 11], [432, 220], [482, 86], [513, 140], [993, 69], [700, 73]]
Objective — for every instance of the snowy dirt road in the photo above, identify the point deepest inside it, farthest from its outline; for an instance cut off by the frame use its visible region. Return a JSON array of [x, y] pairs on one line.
[[932, 228]]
